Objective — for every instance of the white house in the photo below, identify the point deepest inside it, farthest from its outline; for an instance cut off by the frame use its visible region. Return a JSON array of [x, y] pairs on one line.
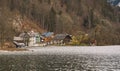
[[34, 39]]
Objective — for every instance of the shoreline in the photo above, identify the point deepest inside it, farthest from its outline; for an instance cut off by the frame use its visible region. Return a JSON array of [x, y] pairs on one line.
[[65, 50]]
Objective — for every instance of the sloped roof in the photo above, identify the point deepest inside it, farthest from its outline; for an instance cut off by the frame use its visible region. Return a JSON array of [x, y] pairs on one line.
[[29, 34], [33, 34], [24, 35], [60, 36], [47, 34]]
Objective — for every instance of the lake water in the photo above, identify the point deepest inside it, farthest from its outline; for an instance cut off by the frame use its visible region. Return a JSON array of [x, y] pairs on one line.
[[45, 59]]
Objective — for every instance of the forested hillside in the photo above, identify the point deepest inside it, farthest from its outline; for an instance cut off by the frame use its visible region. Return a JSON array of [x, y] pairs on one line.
[[114, 2], [97, 18]]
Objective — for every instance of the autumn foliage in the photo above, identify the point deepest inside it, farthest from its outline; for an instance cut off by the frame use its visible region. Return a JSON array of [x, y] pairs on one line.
[[96, 18]]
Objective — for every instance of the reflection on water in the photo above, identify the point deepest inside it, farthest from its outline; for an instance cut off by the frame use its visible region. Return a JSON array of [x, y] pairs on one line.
[[59, 63]]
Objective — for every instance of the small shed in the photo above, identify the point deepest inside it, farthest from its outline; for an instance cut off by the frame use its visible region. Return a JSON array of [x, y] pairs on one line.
[[62, 39]]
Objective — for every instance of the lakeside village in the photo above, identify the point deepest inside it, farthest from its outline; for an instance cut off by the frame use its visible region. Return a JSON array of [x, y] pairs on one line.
[[31, 39]]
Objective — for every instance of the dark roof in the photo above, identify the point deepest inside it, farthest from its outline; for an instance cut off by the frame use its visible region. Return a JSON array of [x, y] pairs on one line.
[[61, 36]]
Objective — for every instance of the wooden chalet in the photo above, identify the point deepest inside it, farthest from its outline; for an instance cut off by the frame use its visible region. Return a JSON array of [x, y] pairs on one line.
[[62, 39]]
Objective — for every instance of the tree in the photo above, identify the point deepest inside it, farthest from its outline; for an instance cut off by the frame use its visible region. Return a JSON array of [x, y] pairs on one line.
[[6, 29], [2, 29]]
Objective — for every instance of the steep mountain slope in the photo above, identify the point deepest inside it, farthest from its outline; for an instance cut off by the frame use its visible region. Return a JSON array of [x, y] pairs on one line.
[[114, 2], [119, 4], [94, 17]]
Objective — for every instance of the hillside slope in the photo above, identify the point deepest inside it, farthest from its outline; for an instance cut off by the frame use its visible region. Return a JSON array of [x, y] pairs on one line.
[[114, 2], [94, 17]]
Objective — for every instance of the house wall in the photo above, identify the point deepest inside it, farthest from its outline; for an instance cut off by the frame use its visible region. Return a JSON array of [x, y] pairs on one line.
[[67, 39], [32, 41], [37, 38], [18, 39], [58, 42]]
